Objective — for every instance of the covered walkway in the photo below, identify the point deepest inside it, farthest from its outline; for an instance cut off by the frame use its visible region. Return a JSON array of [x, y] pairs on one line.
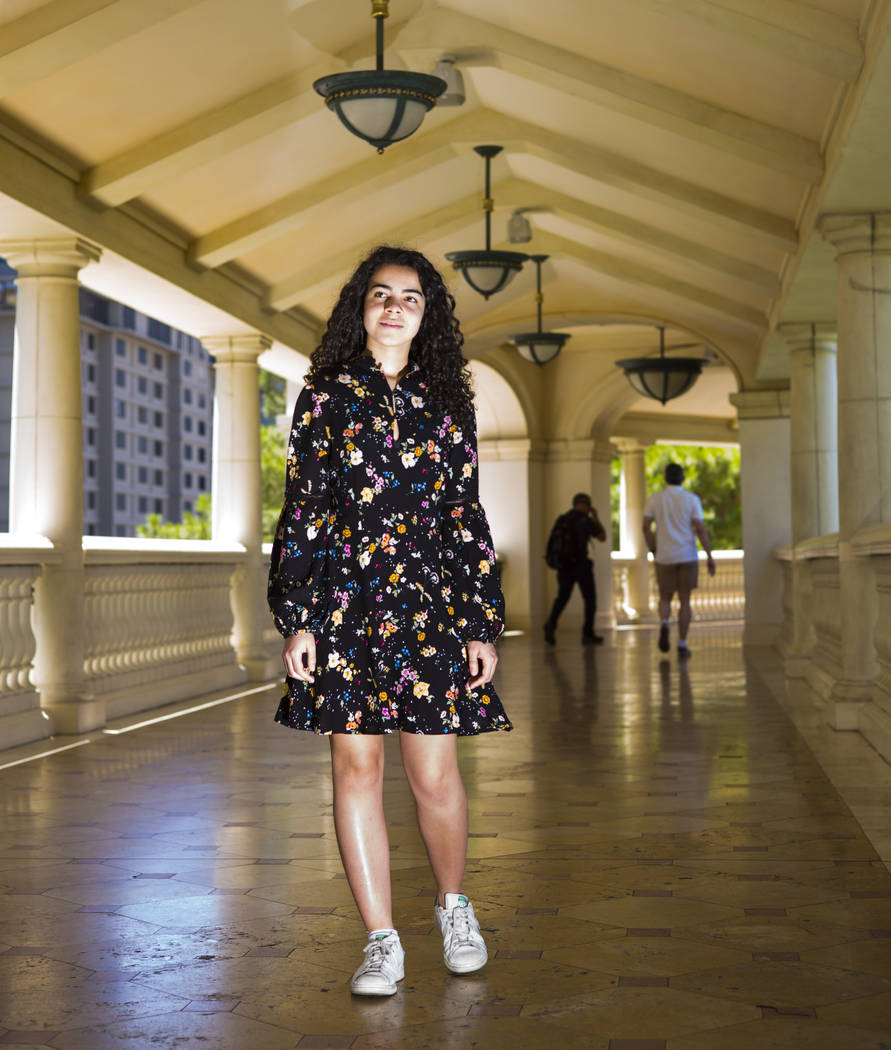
[[660, 860]]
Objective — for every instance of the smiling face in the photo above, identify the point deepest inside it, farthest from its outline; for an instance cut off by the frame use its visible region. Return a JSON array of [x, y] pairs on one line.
[[394, 308]]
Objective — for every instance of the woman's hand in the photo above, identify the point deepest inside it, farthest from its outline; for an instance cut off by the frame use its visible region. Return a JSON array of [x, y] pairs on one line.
[[481, 660], [299, 656]]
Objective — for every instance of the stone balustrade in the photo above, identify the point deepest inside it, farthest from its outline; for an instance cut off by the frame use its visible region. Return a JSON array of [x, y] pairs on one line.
[[718, 597], [818, 616], [21, 718]]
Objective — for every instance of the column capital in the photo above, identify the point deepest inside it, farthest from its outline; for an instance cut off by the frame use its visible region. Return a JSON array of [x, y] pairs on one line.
[[626, 445], [809, 337], [761, 404], [580, 450], [236, 349], [50, 257], [855, 232]]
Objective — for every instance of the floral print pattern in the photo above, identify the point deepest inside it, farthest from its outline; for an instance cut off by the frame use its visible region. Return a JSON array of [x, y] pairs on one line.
[[384, 553]]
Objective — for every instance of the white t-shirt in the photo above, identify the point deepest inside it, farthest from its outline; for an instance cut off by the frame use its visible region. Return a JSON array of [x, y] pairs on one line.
[[674, 510]]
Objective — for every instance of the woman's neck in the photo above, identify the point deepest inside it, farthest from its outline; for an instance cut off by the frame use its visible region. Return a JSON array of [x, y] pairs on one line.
[[392, 362]]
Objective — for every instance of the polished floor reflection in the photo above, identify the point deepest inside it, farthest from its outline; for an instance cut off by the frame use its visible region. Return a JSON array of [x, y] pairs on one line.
[[657, 859]]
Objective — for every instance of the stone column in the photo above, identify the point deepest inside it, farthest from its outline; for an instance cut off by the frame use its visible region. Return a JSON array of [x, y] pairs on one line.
[[602, 453], [863, 251], [764, 453], [634, 497], [46, 465], [236, 489], [813, 396]]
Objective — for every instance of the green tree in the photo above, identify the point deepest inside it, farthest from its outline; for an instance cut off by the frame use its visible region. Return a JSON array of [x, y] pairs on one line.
[[712, 472], [273, 455], [272, 396], [194, 526]]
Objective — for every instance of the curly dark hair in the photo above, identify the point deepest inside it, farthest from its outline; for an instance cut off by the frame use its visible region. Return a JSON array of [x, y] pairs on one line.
[[436, 349]]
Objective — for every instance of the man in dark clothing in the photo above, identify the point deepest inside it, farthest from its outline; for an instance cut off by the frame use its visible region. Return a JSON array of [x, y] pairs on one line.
[[568, 554]]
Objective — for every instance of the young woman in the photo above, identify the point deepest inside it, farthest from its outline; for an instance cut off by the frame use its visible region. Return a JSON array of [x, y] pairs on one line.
[[383, 583]]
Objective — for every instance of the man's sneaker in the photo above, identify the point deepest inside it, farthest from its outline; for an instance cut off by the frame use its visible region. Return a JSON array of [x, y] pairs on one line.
[[664, 644], [384, 965], [592, 639], [549, 634], [684, 652], [463, 947]]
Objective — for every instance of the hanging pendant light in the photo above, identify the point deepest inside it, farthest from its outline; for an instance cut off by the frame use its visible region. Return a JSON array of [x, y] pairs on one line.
[[539, 347], [487, 272], [662, 378], [380, 105]]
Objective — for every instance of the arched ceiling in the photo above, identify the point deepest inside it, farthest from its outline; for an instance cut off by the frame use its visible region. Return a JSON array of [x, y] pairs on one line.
[[669, 147]]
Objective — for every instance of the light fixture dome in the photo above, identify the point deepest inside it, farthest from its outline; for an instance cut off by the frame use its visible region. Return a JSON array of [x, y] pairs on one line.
[[381, 106], [454, 94], [662, 378], [487, 271], [539, 347]]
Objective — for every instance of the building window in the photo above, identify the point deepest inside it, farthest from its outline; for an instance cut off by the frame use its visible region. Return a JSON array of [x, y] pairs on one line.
[[159, 448], [120, 501], [202, 455], [142, 414], [187, 479], [120, 530], [142, 445], [159, 419], [120, 377], [120, 471], [91, 373], [91, 341], [202, 401], [202, 483], [157, 361], [187, 451], [129, 318], [143, 505], [91, 436], [187, 396], [159, 506], [187, 423], [120, 408], [159, 477], [159, 391], [91, 405], [120, 347], [187, 505], [91, 500], [120, 439], [142, 355], [91, 468], [202, 427], [187, 368], [142, 385], [143, 475]]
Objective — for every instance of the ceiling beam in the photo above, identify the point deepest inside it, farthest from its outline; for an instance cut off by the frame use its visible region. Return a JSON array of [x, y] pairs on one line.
[[415, 156], [58, 34], [211, 135], [318, 274], [642, 181], [520, 193], [635, 273], [799, 32], [427, 149], [479, 44]]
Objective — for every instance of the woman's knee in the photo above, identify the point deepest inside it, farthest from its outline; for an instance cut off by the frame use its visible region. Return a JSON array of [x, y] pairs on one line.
[[357, 761]]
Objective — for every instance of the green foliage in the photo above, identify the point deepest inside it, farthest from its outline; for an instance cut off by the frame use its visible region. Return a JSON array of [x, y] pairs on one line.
[[712, 472], [272, 396], [194, 526], [273, 455]]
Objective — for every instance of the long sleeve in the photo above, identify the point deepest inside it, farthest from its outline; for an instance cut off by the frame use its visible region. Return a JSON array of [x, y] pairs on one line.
[[471, 584], [299, 551]]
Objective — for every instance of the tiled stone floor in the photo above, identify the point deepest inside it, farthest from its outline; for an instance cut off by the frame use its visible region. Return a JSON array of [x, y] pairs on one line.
[[657, 858]]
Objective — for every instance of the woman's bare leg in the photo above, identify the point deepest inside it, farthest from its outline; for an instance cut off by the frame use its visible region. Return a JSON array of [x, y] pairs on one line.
[[357, 766], [431, 765]]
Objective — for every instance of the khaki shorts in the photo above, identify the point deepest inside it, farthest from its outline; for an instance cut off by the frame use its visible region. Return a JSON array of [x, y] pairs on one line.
[[682, 577]]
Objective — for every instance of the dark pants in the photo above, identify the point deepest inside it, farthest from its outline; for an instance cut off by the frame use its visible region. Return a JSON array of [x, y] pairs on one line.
[[583, 575]]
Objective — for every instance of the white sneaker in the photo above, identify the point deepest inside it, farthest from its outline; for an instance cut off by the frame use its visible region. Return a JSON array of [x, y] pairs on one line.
[[384, 965], [463, 947]]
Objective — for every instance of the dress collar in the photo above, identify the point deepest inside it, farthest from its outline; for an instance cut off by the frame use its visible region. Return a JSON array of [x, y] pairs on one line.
[[365, 364]]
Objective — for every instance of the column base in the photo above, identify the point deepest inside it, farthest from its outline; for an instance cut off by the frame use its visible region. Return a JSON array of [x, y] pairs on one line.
[[762, 633], [24, 727], [72, 717], [796, 665], [875, 725], [260, 667]]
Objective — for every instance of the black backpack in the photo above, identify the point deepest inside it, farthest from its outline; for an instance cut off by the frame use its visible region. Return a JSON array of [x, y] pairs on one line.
[[560, 551]]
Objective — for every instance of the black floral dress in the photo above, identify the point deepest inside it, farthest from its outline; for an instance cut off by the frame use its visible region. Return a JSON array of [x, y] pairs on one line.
[[384, 553]]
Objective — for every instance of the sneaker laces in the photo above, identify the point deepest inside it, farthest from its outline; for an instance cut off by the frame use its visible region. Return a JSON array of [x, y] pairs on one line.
[[376, 956], [462, 932]]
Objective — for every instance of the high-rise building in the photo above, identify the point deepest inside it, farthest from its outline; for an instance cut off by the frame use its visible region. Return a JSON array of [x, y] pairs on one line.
[[147, 414]]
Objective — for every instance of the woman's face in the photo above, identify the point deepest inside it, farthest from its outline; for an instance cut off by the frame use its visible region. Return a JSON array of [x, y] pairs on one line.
[[394, 308]]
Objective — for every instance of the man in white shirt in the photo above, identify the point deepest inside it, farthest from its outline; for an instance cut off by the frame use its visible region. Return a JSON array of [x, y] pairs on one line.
[[678, 518]]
